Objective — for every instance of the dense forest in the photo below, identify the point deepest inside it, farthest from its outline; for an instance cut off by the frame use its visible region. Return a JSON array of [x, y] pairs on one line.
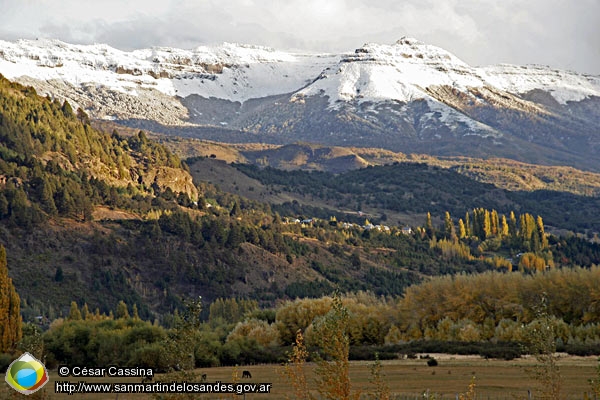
[[420, 188]]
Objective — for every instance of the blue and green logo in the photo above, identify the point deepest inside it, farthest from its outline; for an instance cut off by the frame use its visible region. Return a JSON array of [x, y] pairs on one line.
[[26, 374]]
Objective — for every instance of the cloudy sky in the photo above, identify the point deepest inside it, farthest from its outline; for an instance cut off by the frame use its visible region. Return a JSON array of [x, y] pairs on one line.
[[561, 33]]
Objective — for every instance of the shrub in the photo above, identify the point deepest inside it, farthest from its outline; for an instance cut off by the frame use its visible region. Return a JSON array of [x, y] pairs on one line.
[[5, 360]]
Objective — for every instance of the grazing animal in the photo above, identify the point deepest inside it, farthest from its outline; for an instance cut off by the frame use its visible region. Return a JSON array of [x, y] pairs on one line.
[[246, 374], [147, 379], [203, 378]]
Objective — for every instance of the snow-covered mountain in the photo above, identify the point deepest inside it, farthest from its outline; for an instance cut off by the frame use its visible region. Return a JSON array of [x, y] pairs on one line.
[[408, 96]]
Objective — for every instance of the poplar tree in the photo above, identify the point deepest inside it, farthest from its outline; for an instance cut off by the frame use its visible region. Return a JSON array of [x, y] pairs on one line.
[[495, 222], [74, 313], [122, 310], [136, 316], [504, 227], [512, 225], [85, 311], [487, 225], [333, 369], [449, 226], [462, 232], [10, 309], [468, 229], [429, 227], [541, 233]]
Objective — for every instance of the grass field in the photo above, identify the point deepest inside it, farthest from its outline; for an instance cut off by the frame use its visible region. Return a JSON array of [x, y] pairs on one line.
[[407, 379]]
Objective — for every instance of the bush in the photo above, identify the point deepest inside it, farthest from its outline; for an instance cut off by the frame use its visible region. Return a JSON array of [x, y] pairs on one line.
[[5, 360], [150, 356], [432, 362]]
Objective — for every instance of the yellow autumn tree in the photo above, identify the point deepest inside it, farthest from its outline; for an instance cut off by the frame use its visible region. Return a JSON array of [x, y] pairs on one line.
[[333, 369]]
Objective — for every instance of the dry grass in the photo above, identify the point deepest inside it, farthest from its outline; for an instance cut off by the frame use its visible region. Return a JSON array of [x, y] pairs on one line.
[[496, 379]]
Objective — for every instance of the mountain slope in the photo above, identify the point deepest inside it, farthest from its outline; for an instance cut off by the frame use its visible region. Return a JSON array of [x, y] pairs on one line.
[[408, 96], [153, 247]]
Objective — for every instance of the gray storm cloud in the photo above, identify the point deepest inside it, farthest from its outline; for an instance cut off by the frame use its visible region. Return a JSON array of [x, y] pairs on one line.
[[562, 34]]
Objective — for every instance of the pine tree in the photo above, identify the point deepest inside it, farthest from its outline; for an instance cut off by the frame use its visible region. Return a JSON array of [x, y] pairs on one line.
[[10, 304], [67, 110], [235, 210], [59, 275], [47, 198]]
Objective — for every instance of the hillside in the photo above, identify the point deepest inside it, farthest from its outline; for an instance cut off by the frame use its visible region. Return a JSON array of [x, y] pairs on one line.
[[95, 218], [152, 244], [503, 173], [402, 189]]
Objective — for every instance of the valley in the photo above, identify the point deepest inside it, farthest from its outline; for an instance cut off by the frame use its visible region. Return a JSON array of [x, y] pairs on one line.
[[185, 209]]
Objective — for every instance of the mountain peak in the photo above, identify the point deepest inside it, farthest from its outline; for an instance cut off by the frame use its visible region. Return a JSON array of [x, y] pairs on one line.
[[407, 40]]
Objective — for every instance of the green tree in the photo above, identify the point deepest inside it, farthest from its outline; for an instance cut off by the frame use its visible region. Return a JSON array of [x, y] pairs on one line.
[[11, 324], [82, 116], [67, 110], [59, 275], [235, 210]]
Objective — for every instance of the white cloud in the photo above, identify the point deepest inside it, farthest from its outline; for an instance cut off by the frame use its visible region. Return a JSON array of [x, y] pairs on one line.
[[559, 33]]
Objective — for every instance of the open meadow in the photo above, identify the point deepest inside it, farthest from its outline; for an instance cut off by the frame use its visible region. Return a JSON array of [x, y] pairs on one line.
[[407, 379]]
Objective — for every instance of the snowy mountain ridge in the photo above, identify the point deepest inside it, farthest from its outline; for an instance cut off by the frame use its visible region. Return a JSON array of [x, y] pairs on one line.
[[238, 72], [407, 96], [230, 71], [401, 72]]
